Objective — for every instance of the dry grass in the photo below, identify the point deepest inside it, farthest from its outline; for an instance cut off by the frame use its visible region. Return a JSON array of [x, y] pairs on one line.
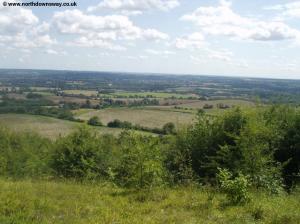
[[199, 104], [48, 127], [146, 117], [58, 99]]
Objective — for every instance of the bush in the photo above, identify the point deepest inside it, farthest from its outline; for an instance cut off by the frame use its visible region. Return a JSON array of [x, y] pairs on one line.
[[169, 128], [178, 159], [23, 155], [115, 124], [235, 188], [95, 121], [140, 164], [81, 155]]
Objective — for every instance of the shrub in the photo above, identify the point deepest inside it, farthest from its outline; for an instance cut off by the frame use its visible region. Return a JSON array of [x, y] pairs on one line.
[[81, 155], [23, 155], [178, 159], [115, 124], [169, 128], [235, 188], [141, 163], [95, 121]]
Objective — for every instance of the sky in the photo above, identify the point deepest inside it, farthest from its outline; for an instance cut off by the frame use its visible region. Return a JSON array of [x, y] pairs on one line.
[[210, 37]]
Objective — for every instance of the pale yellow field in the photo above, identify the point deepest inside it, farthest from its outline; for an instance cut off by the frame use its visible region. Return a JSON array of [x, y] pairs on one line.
[[46, 126], [58, 99], [199, 104], [146, 117]]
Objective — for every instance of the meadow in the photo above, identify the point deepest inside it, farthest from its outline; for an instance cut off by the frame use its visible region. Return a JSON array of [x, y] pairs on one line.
[[143, 116], [45, 202], [47, 127]]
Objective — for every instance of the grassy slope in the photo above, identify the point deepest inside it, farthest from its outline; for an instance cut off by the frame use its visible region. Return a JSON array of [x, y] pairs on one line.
[[143, 116], [57, 202], [46, 126]]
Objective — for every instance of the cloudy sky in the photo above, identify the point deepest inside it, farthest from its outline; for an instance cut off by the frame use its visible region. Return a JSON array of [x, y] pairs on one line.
[[215, 37]]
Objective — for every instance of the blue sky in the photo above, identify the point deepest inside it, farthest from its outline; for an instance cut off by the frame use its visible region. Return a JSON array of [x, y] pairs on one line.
[[214, 37]]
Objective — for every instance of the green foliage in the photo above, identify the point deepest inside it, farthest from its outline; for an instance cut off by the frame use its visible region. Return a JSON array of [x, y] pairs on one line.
[[95, 121], [81, 155], [261, 143], [68, 202], [37, 106], [141, 163], [23, 155], [208, 137], [169, 128], [119, 124], [235, 188], [33, 95], [178, 159], [288, 152]]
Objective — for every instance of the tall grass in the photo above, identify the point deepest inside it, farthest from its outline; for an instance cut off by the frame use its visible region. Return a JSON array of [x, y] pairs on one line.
[[66, 202]]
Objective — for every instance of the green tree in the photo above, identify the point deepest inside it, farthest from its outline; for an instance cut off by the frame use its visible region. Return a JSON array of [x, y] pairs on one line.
[[82, 155], [141, 163], [169, 128], [95, 121], [235, 188]]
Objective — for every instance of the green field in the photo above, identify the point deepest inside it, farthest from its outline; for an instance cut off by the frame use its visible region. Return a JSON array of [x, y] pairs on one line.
[[45, 202], [149, 94], [41, 89], [45, 126], [143, 116], [81, 92]]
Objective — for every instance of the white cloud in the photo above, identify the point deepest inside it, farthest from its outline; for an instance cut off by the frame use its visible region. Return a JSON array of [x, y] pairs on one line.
[[102, 31], [222, 20], [197, 60], [55, 52], [139, 57], [27, 40], [291, 9], [50, 51], [86, 42], [194, 40], [154, 35], [222, 55], [156, 52], [135, 7], [16, 19], [20, 28]]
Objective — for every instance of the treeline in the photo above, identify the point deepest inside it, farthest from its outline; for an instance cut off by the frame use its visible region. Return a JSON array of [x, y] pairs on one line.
[[37, 106], [168, 128], [259, 147]]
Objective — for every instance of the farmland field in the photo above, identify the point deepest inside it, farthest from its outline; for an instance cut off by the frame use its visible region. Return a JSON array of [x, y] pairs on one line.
[[81, 92], [150, 94], [146, 117], [58, 99], [200, 104], [45, 126]]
